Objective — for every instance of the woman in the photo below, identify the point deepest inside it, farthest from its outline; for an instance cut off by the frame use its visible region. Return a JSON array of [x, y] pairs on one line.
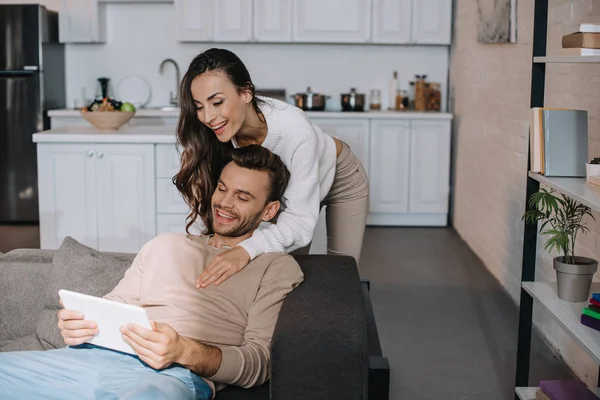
[[219, 110]]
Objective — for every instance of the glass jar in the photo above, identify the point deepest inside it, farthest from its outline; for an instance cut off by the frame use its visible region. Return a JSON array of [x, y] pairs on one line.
[[375, 99], [434, 97], [420, 93]]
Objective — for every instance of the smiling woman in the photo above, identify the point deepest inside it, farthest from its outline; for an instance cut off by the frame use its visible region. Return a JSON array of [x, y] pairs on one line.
[[219, 111]]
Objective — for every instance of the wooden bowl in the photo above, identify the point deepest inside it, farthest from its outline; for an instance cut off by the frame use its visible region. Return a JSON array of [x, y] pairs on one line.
[[107, 120]]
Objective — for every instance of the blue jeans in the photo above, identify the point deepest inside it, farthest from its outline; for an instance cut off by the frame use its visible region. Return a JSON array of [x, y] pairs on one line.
[[91, 372]]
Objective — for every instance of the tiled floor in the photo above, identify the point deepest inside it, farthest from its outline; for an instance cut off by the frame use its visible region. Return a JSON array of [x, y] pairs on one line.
[[445, 324]]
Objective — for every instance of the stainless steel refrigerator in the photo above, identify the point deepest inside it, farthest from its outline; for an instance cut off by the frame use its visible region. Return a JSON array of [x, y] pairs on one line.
[[32, 81]]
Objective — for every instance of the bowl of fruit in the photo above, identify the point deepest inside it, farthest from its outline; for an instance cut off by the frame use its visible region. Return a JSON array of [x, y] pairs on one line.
[[108, 113]]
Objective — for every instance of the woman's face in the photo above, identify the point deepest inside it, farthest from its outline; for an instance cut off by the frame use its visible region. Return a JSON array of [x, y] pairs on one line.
[[219, 104]]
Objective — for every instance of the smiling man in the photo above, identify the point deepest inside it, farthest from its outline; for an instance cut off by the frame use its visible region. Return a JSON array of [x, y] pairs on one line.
[[201, 339]]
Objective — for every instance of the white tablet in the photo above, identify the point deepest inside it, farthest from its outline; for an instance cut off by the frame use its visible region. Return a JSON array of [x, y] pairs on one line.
[[109, 316]]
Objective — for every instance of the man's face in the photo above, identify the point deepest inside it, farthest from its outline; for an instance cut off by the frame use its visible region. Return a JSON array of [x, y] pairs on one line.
[[239, 203]]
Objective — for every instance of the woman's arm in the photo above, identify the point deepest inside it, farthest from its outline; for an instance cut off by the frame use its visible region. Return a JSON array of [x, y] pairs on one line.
[[296, 224]]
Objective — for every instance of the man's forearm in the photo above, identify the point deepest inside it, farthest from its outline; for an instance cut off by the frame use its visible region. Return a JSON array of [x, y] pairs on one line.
[[202, 359]]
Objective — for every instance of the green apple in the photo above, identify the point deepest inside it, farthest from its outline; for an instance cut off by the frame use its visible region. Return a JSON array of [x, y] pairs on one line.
[[127, 107]]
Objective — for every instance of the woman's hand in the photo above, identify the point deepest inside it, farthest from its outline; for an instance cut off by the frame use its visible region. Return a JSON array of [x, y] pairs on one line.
[[223, 266], [74, 329]]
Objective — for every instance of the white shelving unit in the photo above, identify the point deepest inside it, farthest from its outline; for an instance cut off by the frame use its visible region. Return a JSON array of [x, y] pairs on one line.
[[574, 188], [567, 314], [567, 59], [528, 393]]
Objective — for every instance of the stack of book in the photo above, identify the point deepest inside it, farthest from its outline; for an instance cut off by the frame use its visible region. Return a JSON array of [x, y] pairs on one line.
[[564, 390], [584, 42], [590, 316], [558, 141]]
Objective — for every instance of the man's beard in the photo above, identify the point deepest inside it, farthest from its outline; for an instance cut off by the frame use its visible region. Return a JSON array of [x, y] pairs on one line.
[[243, 226]]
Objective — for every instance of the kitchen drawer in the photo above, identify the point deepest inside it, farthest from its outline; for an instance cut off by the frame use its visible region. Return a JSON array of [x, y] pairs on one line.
[[175, 223], [168, 198], [167, 160]]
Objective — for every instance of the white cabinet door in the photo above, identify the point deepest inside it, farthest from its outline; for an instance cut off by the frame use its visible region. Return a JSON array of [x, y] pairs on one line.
[[80, 21], [331, 21], [233, 20], [67, 194], [354, 132], [392, 21], [389, 162], [125, 188], [195, 20], [432, 21], [429, 167], [273, 20]]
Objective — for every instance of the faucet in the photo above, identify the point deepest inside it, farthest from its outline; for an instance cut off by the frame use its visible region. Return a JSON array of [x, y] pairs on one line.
[[173, 99]]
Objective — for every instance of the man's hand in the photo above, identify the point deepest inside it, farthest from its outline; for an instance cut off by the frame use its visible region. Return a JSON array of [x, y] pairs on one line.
[[74, 329], [159, 347], [223, 266]]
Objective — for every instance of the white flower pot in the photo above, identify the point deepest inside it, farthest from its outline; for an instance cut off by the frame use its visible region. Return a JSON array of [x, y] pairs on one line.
[[591, 170]]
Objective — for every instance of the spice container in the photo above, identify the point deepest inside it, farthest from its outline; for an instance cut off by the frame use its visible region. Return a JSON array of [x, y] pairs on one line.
[[375, 99], [434, 97], [420, 93], [400, 100]]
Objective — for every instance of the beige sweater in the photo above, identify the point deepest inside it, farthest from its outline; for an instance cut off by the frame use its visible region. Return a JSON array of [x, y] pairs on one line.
[[238, 316]]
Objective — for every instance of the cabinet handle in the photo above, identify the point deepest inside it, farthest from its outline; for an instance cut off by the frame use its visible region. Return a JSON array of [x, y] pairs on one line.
[[89, 153], [100, 154]]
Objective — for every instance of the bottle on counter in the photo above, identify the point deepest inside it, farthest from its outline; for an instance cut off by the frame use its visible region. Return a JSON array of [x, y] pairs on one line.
[[393, 89]]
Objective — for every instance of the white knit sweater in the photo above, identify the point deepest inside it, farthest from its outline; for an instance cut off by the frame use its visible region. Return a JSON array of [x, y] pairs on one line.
[[310, 156]]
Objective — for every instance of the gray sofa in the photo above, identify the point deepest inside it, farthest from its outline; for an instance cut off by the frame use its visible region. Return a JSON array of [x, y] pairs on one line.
[[325, 344]]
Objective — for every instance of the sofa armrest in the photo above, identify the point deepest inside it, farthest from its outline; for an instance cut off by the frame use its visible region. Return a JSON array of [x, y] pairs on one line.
[[319, 346], [23, 275]]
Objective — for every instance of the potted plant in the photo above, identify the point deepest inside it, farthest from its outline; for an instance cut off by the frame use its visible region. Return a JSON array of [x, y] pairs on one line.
[[564, 216], [592, 168]]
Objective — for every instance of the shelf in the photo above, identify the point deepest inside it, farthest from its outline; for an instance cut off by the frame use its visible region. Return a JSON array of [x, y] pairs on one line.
[[568, 314], [567, 59], [575, 188], [528, 393]]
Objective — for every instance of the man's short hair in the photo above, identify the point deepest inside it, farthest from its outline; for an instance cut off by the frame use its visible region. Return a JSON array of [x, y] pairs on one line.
[[259, 158]]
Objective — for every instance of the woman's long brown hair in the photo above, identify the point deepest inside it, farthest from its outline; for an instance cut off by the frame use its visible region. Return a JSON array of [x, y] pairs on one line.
[[203, 156]]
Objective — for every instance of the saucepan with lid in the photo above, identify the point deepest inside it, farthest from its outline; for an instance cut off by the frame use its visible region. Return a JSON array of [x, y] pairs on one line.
[[353, 101], [309, 101]]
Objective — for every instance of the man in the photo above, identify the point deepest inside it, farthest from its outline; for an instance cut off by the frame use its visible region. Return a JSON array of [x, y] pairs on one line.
[[219, 334]]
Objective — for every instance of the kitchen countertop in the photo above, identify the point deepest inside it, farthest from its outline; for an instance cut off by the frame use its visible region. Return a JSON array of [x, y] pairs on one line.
[[157, 113], [89, 134]]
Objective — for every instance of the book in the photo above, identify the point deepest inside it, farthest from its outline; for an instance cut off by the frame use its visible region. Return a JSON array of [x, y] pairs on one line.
[[567, 390], [565, 142], [591, 313], [590, 322], [589, 27], [578, 51], [581, 39]]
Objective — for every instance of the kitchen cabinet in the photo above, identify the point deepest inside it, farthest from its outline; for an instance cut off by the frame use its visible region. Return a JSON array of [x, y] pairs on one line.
[[81, 21], [429, 167], [392, 21], [432, 22], [332, 21], [100, 194], [389, 165], [214, 20], [355, 132], [273, 20], [412, 21]]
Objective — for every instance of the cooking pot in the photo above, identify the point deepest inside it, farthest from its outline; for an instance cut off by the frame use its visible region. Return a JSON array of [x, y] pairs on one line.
[[353, 101], [310, 101]]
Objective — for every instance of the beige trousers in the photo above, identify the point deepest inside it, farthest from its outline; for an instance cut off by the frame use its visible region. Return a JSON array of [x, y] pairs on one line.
[[347, 207]]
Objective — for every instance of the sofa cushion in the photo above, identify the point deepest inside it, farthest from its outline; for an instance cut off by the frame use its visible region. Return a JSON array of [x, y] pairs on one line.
[[25, 343], [78, 268]]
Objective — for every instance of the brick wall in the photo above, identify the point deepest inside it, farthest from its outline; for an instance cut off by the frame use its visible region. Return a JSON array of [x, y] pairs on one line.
[[489, 89]]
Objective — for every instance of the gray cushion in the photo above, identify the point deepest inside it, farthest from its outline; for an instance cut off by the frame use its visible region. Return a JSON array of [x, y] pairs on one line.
[[81, 269], [25, 343]]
